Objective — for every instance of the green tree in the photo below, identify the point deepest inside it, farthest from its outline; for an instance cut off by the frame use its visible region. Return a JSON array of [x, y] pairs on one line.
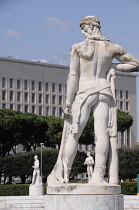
[[128, 163], [54, 131], [124, 121]]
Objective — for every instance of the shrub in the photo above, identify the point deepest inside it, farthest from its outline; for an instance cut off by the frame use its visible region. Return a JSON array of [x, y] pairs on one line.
[[129, 188], [16, 190]]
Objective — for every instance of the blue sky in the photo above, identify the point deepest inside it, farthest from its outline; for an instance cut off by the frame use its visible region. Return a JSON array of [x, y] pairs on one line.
[[41, 29]]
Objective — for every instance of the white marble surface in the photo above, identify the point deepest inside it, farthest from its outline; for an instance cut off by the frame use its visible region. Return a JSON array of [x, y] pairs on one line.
[[83, 189], [131, 202], [36, 190], [84, 202]]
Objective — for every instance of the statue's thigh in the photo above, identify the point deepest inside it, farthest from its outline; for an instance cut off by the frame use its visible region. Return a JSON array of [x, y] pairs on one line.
[[101, 112]]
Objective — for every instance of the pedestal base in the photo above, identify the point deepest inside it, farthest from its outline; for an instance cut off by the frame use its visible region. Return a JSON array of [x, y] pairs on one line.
[[84, 202], [36, 190], [83, 189]]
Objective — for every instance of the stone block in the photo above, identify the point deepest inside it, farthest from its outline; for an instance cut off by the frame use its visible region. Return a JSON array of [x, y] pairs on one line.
[[35, 190], [84, 202]]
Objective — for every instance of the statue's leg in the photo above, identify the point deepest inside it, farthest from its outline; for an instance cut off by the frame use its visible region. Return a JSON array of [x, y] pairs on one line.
[[113, 153], [68, 149], [71, 144], [101, 117]]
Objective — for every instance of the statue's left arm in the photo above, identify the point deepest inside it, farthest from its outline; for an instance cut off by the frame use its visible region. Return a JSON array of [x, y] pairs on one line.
[[128, 62]]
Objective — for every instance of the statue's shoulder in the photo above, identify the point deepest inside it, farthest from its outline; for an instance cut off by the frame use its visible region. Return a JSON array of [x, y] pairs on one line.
[[118, 49], [76, 48]]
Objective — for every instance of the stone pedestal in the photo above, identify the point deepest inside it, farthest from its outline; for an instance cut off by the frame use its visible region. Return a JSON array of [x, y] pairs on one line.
[[35, 190], [84, 197], [83, 189]]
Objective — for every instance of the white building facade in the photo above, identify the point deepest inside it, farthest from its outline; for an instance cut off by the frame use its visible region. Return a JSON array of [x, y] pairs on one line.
[[40, 88]]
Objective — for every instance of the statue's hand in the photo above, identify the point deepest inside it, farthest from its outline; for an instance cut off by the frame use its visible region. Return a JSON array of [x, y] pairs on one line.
[[67, 110]]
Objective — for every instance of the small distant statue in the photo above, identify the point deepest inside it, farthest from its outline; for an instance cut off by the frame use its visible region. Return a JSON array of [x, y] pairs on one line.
[[36, 180], [89, 161]]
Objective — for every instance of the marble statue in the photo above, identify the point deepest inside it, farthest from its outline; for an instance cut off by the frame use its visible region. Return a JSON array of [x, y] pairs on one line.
[[90, 85], [89, 161], [36, 180]]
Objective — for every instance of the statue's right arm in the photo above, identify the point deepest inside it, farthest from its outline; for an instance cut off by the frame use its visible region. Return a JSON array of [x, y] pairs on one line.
[[128, 62], [73, 77]]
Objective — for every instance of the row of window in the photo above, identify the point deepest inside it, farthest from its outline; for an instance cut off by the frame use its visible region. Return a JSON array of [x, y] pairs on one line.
[[47, 111], [125, 138], [120, 94], [32, 85], [48, 98], [123, 105]]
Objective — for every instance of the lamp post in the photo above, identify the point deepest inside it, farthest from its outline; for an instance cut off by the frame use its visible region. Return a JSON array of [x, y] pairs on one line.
[[41, 157]]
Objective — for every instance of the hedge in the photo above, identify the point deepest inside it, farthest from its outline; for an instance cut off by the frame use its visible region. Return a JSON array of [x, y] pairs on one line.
[[16, 189], [128, 188]]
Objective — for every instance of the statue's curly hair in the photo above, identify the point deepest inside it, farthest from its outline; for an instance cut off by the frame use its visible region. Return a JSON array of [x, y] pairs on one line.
[[90, 19]]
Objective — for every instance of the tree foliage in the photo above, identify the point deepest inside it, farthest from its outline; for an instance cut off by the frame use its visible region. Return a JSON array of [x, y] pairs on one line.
[[128, 163], [124, 121], [30, 130]]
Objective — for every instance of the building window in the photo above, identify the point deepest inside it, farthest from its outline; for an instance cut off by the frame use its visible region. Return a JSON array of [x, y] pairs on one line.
[[47, 111], [11, 106], [80, 147], [33, 109], [53, 87], [53, 111], [3, 95], [60, 88], [60, 100], [25, 84], [87, 147], [18, 84], [127, 95], [127, 105], [33, 97], [53, 99], [121, 94], [3, 82], [60, 112], [3, 106], [33, 85], [40, 86], [18, 107], [47, 87], [116, 94], [26, 97], [40, 110], [26, 108], [121, 105], [11, 95], [47, 99], [18, 96], [11, 83], [40, 98]]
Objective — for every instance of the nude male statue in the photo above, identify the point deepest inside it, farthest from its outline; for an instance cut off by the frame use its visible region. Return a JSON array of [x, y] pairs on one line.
[[89, 161], [36, 180], [89, 86]]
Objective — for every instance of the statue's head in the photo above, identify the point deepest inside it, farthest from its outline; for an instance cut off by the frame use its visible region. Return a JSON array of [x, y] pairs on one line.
[[36, 157], [88, 154], [90, 26], [90, 20]]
